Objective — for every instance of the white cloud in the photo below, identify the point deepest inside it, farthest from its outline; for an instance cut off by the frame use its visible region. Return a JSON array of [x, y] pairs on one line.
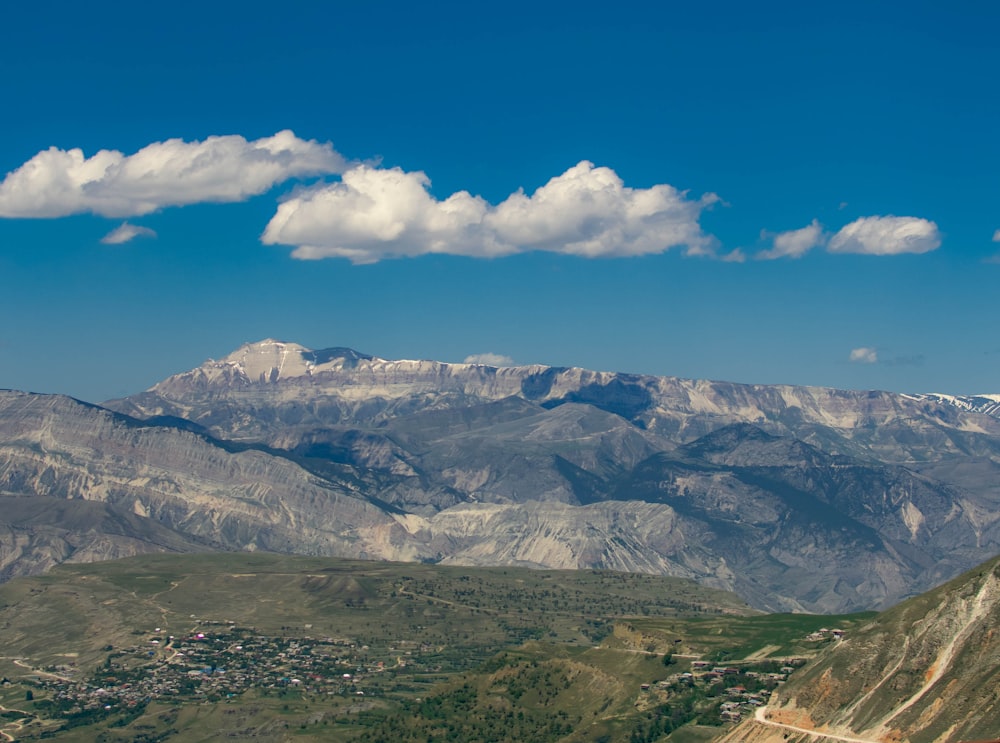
[[375, 213], [736, 255], [57, 183], [886, 236], [794, 243], [589, 211], [864, 355], [489, 359], [996, 236], [125, 232]]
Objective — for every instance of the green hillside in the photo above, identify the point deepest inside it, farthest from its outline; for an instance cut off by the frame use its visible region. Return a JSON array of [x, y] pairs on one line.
[[268, 647]]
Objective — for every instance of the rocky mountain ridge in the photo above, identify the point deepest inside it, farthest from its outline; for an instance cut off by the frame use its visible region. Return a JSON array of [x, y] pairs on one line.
[[798, 498], [271, 384]]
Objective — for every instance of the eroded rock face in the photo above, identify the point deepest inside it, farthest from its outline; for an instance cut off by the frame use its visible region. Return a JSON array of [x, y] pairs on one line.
[[798, 498], [55, 447], [926, 670]]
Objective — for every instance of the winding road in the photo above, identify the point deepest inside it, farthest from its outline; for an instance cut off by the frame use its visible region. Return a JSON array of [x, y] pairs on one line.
[[39, 672], [17, 724], [760, 716]]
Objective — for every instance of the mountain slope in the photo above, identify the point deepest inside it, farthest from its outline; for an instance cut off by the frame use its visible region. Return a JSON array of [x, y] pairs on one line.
[[56, 447], [926, 671], [37, 533]]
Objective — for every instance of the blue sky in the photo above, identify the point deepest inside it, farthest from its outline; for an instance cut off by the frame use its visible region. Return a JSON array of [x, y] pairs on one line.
[[773, 192]]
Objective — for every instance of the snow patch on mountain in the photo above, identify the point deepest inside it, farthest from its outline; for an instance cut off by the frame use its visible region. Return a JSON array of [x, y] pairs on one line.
[[987, 404]]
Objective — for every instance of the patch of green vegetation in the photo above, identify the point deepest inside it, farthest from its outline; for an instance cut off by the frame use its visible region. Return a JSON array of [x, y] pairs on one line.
[[201, 647], [728, 638]]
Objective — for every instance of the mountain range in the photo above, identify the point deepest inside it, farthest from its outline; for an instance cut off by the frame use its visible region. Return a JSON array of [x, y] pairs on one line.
[[797, 498]]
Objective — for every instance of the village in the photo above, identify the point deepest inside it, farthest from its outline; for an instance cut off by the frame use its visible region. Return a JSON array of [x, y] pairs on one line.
[[219, 660], [737, 688], [743, 686]]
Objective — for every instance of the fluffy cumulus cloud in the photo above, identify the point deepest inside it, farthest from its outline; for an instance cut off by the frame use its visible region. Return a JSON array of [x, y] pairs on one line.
[[57, 183], [876, 235], [375, 213], [125, 232], [794, 243], [886, 236], [489, 359], [996, 236], [864, 355]]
